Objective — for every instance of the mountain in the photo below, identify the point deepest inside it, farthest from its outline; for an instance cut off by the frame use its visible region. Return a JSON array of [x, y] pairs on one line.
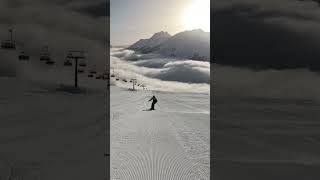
[[193, 44], [149, 45]]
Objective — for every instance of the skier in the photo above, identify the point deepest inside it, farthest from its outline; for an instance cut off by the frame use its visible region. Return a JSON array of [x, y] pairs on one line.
[[154, 101]]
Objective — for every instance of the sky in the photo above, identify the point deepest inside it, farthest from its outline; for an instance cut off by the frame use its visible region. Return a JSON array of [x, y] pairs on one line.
[[139, 19]]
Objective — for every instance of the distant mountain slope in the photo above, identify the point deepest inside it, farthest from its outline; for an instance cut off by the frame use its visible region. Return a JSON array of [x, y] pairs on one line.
[[194, 44], [149, 45]]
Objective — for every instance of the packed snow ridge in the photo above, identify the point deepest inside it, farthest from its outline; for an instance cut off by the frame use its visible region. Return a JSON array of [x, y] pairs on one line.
[[193, 44]]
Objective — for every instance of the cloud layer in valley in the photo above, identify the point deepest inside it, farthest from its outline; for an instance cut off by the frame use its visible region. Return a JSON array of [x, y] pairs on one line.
[[163, 73], [278, 84]]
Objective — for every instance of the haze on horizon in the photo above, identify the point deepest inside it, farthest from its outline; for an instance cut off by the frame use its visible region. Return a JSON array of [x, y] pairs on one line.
[[131, 21]]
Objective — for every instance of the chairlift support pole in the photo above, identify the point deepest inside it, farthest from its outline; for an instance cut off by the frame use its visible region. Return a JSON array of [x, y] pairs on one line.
[[11, 36], [133, 82], [76, 73], [108, 82], [76, 58]]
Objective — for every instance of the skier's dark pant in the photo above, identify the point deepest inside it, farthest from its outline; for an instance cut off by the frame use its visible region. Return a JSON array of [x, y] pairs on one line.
[[152, 105]]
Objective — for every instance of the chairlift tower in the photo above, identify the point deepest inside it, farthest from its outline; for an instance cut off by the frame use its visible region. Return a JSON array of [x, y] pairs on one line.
[[9, 44], [76, 55], [133, 82], [108, 82]]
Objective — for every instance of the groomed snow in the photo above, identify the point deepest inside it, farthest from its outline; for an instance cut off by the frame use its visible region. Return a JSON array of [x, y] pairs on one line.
[[52, 135], [172, 142]]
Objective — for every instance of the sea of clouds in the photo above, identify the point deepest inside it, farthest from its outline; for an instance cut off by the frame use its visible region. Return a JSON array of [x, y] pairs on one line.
[[160, 73], [284, 84]]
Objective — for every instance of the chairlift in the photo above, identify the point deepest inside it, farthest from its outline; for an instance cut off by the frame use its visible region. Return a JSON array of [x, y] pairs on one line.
[[45, 56], [112, 75], [23, 56], [130, 81], [93, 72], [82, 64], [69, 55], [90, 75], [124, 80], [98, 77], [80, 71], [67, 63], [9, 44], [117, 79], [50, 62]]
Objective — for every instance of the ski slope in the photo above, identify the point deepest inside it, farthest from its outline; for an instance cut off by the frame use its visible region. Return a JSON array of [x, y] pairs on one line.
[[52, 135], [266, 138], [172, 142]]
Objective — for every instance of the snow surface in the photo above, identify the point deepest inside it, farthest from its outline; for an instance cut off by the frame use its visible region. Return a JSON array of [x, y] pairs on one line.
[[49, 134], [172, 142], [266, 124], [266, 138]]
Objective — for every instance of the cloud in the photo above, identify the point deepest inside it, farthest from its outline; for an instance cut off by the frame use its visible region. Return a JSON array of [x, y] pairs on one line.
[[165, 74], [266, 34], [244, 82], [187, 71]]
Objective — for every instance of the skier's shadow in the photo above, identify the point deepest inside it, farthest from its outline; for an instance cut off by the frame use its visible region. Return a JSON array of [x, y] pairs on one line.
[[147, 110]]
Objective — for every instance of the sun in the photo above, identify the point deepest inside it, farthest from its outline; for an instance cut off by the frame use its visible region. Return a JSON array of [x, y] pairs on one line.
[[197, 15]]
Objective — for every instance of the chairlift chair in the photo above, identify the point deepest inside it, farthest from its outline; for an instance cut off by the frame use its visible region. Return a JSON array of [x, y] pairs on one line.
[[82, 64], [9, 44], [45, 57], [23, 56], [69, 55], [93, 72], [90, 75], [67, 63], [80, 71], [98, 77], [50, 62], [117, 79]]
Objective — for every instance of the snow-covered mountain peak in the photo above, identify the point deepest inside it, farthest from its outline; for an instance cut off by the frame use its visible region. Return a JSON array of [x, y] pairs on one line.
[[191, 44], [161, 34]]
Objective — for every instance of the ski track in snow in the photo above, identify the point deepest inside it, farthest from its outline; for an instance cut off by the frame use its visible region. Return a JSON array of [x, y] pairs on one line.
[[171, 142]]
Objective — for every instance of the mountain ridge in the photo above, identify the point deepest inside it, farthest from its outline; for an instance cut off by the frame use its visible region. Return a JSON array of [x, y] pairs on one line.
[[191, 44]]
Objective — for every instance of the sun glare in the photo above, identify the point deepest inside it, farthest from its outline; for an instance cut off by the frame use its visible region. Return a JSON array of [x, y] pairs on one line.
[[197, 15]]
